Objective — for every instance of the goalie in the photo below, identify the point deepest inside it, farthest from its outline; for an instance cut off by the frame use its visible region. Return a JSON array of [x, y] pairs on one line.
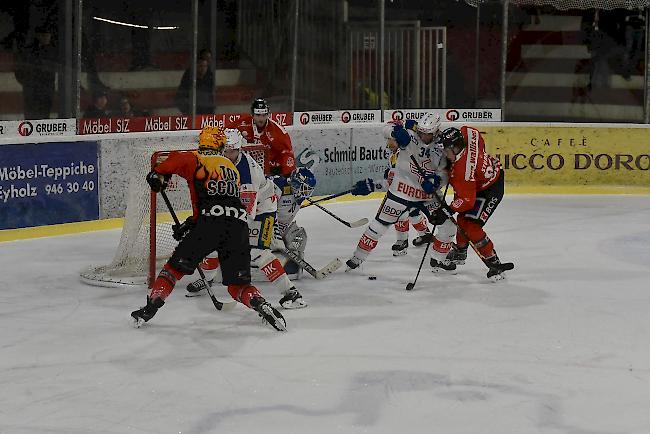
[[258, 194]]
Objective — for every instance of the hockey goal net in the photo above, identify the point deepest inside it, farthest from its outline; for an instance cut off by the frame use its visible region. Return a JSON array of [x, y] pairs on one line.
[[146, 241]]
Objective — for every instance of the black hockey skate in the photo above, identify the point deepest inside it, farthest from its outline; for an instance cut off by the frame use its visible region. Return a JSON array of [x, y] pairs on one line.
[[400, 248], [422, 240], [195, 289], [497, 268], [144, 314], [457, 255], [269, 314], [292, 299], [445, 265], [353, 263]]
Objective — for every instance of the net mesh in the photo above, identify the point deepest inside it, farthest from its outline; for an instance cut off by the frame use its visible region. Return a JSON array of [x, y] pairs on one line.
[[131, 263], [575, 4]]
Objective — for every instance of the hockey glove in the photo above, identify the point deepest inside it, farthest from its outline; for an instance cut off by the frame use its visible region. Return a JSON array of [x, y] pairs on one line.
[[156, 181], [401, 136], [363, 187], [438, 217], [431, 183], [179, 231]]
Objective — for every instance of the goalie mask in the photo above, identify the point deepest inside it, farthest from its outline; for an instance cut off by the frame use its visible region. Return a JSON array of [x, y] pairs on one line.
[[302, 182], [211, 141]]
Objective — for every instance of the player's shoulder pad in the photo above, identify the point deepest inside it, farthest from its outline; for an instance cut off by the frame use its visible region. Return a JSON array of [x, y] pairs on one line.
[[277, 126]]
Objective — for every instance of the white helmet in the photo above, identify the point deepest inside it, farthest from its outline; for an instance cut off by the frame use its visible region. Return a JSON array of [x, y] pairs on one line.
[[234, 139], [429, 124]]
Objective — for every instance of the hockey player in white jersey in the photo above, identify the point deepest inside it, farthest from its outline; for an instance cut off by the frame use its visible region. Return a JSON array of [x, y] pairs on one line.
[[414, 217], [258, 194], [409, 190], [291, 193]]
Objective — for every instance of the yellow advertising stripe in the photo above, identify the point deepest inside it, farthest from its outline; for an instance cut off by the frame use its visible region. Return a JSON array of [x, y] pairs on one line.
[[60, 229], [116, 223], [75, 228]]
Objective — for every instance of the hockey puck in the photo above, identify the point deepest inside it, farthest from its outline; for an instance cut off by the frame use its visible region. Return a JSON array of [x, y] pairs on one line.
[[372, 277]]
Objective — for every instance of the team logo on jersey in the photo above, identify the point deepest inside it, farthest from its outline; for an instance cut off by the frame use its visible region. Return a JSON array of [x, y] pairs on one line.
[[226, 211], [457, 203]]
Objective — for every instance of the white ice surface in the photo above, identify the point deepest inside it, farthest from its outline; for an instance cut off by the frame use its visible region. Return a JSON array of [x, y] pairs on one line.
[[562, 346]]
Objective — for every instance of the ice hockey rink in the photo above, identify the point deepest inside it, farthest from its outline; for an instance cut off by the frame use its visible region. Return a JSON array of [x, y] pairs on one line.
[[561, 346]]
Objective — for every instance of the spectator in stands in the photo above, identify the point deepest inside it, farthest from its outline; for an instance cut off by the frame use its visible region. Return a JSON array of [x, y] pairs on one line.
[[36, 71], [99, 107], [126, 110], [206, 54], [204, 89], [634, 41], [602, 37]]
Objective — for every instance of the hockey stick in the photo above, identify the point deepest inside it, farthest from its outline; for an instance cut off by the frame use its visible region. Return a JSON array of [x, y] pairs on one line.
[[326, 198], [505, 266], [354, 224], [217, 304], [318, 274], [411, 285]]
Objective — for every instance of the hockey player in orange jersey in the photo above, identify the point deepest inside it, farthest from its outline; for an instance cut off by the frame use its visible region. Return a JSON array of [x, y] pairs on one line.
[[478, 181], [218, 223]]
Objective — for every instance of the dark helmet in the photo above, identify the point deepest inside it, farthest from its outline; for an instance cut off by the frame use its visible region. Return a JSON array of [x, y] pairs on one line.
[[260, 107], [452, 138]]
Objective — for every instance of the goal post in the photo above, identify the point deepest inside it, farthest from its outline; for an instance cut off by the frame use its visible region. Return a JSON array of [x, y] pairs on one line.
[[146, 240]]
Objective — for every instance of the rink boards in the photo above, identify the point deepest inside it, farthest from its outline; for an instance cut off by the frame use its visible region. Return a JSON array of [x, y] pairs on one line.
[[538, 158]]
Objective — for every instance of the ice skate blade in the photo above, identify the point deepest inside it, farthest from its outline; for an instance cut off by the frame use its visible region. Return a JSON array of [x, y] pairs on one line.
[[443, 272], [289, 305], [400, 252], [497, 277]]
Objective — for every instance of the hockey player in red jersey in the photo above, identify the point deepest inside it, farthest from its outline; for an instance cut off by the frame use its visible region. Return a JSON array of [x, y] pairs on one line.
[[478, 180], [218, 223], [259, 128]]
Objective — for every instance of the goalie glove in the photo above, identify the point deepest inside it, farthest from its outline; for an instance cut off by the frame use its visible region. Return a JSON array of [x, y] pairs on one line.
[[179, 231], [156, 181], [365, 187]]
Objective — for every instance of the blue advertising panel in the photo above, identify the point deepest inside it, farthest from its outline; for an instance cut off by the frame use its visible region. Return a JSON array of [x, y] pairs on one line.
[[48, 183]]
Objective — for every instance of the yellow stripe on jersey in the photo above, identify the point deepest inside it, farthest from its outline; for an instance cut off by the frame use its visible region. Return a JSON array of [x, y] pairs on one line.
[[218, 167]]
